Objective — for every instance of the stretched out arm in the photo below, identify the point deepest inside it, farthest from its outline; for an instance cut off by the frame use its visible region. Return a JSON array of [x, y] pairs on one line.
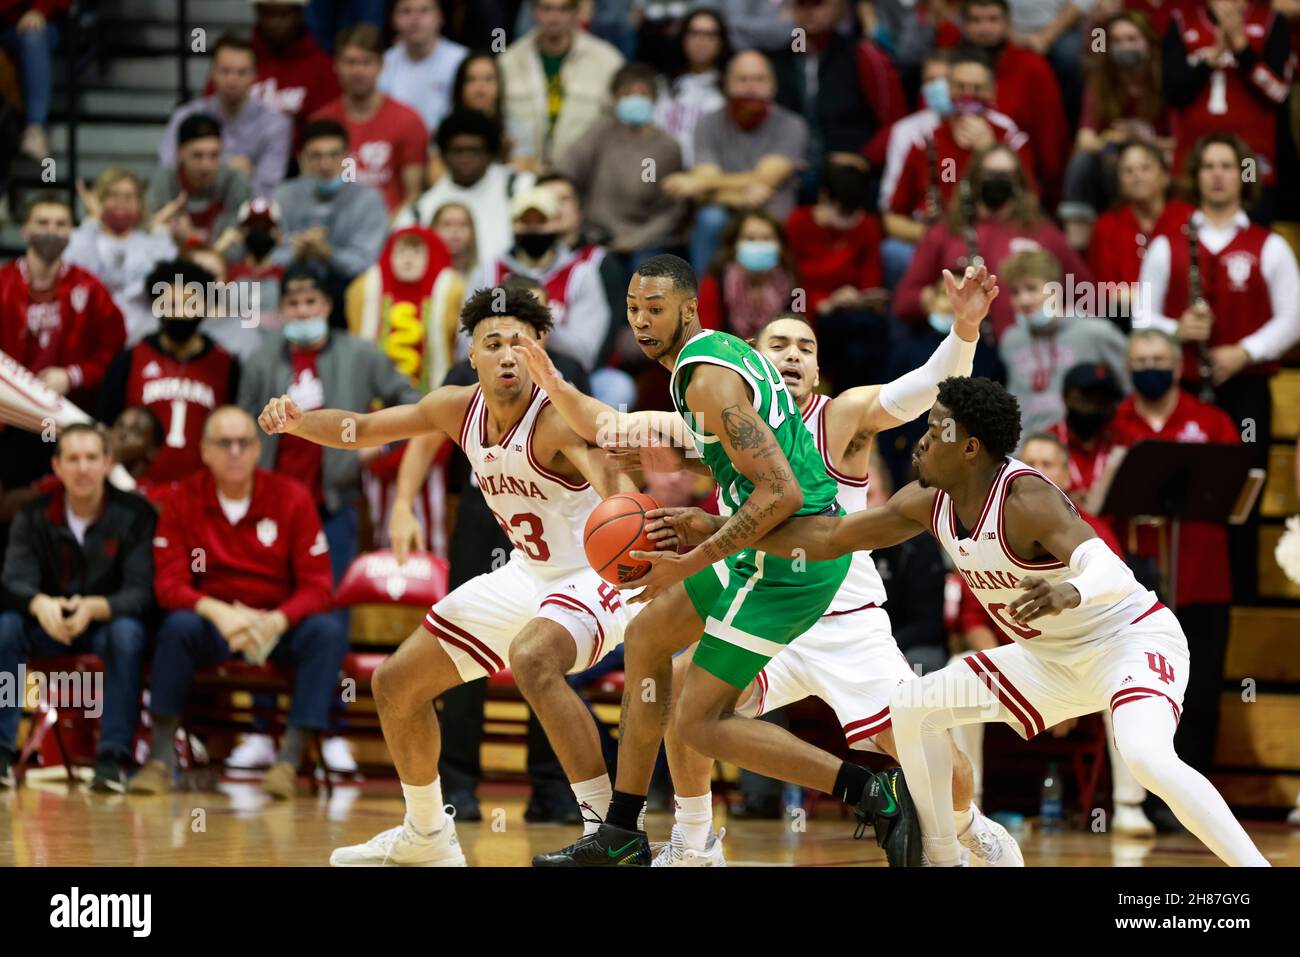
[[440, 410]]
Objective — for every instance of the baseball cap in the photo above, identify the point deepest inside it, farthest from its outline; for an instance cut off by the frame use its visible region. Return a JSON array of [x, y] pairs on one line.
[[538, 198], [1093, 375]]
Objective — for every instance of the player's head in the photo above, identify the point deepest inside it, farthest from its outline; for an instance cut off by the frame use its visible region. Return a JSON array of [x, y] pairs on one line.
[[135, 438], [1047, 453], [789, 341], [492, 317], [975, 422], [661, 303], [231, 446]]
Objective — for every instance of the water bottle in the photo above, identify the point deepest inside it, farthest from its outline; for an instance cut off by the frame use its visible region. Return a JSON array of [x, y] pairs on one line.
[[1050, 807]]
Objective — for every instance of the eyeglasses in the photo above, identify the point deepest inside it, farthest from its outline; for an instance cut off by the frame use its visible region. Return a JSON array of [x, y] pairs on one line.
[[233, 445]]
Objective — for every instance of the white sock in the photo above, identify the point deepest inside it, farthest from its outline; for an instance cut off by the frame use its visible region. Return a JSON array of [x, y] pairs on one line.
[[424, 810], [593, 801], [964, 819], [695, 818]]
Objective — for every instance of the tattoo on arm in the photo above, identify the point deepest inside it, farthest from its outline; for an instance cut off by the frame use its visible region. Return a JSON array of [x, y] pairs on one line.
[[741, 428]]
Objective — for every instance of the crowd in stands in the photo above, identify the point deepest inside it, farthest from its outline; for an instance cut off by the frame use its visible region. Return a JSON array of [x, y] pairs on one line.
[[1119, 164]]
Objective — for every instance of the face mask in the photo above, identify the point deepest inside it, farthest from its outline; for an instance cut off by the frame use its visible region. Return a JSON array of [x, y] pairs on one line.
[[969, 106], [1153, 383], [119, 220], [748, 112], [996, 190], [938, 96], [303, 332], [941, 322], [180, 331], [259, 242], [1085, 424], [535, 245], [327, 187], [1036, 321], [635, 110], [1130, 57], [758, 255], [49, 246]]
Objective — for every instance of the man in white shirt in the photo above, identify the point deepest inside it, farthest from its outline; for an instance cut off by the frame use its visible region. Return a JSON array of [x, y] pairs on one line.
[[420, 67]]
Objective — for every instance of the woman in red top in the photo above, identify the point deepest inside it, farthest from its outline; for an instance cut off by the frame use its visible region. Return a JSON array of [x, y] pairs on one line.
[[1123, 102], [751, 279], [1120, 238]]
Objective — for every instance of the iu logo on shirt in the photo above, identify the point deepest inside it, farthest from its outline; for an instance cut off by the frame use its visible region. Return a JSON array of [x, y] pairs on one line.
[[267, 531], [1161, 667], [1239, 266], [374, 156]]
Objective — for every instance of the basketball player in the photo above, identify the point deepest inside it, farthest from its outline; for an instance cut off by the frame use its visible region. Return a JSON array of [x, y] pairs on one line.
[[849, 657], [1087, 637], [544, 613], [743, 419]]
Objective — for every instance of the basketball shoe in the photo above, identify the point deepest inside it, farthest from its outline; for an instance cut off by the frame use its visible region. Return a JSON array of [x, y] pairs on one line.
[[607, 846], [887, 806], [403, 846], [676, 854], [990, 844]]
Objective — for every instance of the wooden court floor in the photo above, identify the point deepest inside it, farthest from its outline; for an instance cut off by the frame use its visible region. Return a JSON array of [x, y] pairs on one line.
[[48, 824]]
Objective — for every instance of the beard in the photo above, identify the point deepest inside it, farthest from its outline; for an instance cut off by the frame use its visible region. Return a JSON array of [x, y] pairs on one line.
[[676, 339]]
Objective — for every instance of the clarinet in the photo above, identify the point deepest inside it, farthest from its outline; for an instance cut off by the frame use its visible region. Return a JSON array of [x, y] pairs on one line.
[[1197, 295], [973, 257], [932, 202]]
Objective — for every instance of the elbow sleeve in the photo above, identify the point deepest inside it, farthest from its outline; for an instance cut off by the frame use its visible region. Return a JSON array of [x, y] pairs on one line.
[[911, 395], [1100, 576]]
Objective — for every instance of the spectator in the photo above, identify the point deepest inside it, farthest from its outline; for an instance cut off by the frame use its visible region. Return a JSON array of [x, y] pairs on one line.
[[556, 79], [1002, 215], [1122, 235], [1027, 90], [1091, 393], [320, 368], [212, 189], [254, 271], [387, 139], [327, 218], [575, 230], [1048, 338], [1223, 70], [835, 247], [908, 31], [478, 86], [746, 155], [935, 162], [468, 142], [178, 374], [119, 247], [26, 33], [608, 167], [255, 138], [695, 90], [78, 578], [756, 24], [454, 224], [1054, 29], [751, 279], [1159, 409], [848, 90], [134, 440], [263, 591], [294, 75], [420, 66], [1123, 104]]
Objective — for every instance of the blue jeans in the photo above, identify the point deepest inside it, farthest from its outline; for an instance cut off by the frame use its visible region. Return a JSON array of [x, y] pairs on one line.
[[314, 649], [120, 643], [35, 52], [710, 223]]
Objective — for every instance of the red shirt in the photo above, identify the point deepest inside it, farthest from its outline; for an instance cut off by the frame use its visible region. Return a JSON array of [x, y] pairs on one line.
[[275, 557], [912, 191], [74, 325], [1086, 464], [296, 456], [296, 82], [826, 259], [383, 145], [1119, 242], [1203, 573]]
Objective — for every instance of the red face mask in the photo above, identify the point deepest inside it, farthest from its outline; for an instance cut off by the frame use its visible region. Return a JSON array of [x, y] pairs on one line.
[[119, 220], [747, 112], [969, 105]]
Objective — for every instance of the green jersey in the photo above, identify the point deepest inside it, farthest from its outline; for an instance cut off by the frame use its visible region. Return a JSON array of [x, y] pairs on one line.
[[773, 403]]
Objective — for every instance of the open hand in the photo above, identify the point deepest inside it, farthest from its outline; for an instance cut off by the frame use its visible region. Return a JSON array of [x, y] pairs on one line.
[[666, 570], [540, 367], [675, 527], [971, 297]]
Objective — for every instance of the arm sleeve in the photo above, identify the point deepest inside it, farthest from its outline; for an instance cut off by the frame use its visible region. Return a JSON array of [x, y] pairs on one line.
[[106, 334], [22, 572], [1100, 576], [1263, 75], [312, 582], [136, 594], [1182, 81], [912, 394], [1153, 279]]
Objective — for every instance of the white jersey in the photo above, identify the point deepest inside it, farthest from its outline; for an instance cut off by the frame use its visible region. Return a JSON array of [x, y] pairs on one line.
[[862, 586], [984, 559], [542, 513]]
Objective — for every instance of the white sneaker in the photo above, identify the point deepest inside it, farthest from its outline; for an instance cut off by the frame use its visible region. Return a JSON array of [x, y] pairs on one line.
[[254, 751], [1130, 820], [401, 846], [990, 844], [337, 753], [676, 854]]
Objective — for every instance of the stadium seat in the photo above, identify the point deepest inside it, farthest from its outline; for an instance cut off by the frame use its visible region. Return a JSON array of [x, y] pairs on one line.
[[65, 737]]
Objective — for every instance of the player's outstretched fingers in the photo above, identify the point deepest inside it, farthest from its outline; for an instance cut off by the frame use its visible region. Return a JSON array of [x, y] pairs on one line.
[[1033, 588]]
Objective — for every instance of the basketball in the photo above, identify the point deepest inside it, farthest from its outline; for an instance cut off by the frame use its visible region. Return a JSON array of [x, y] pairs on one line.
[[615, 527]]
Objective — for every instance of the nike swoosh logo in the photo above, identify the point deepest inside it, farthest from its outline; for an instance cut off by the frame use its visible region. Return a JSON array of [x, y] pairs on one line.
[[892, 804], [616, 853]]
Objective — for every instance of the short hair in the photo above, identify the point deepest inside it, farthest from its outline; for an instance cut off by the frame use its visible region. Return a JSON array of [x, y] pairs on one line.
[[969, 53], [1030, 264], [668, 266], [46, 197], [463, 122], [1050, 437], [230, 41], [78, 428], [197, 126], [1243, 152], [781, 317], [306, 271], [157, 431], [967, 4], [847, 186], [1151, 332], [171, 271], [1146, 146], [321, 129], [986, 411], [228, 409], [498, 301], [363, 36], [630, 73]]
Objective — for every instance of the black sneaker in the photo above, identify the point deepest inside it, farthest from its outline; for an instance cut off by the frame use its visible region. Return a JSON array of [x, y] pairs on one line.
[[887, 805], [7, 780], [109, 777], [466, 805], [606, 847]]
